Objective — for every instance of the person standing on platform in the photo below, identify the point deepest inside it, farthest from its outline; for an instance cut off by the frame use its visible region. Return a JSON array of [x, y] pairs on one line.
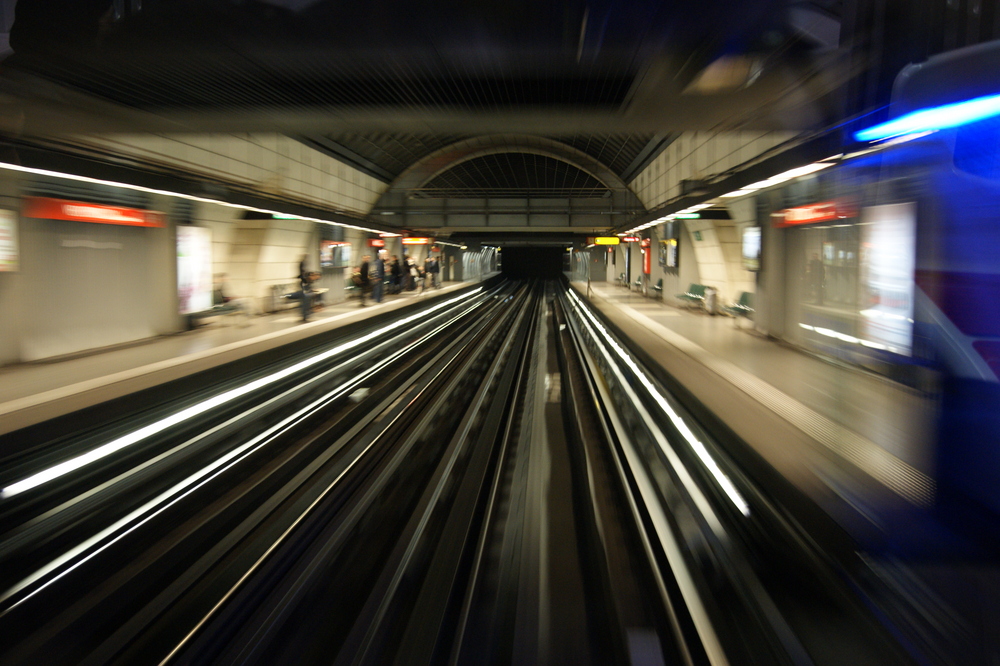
[[363, 277], [435, 270], [411, 273], [426, 273], [378, 280], [305, 282], [396, 273]]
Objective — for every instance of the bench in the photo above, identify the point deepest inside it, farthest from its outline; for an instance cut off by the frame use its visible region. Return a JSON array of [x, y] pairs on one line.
[[638, 282], [741, 308], [351, 288], [695, 295], [234, 306], [659, 287]]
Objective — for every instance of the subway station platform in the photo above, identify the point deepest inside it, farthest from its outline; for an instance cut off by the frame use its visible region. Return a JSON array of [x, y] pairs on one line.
[[859, 445], [34, 392]]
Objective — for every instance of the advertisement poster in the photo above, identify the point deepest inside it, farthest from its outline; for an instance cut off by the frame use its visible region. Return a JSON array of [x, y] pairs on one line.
[[888, 256], [751, 248], [334, 254], [194, 269], [9, 254]]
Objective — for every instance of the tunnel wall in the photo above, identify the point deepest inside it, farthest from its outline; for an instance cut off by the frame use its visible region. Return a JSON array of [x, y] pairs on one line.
[[533, 262]]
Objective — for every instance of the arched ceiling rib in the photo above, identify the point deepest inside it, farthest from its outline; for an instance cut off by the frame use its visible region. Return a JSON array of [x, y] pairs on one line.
[[385, 155], [506, 174]]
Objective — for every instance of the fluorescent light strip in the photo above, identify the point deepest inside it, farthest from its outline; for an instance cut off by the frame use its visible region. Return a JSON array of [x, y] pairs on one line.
[[843, 337], [946, 116], [182, 489], [190, 197], [696, 445], [136, 436]]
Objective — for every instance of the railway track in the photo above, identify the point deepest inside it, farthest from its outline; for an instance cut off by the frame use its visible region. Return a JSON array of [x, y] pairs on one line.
[[495, 479]]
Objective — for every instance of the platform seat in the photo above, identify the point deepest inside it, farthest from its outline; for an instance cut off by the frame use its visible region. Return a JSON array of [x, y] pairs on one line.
[[659, 287], [695, 295], [742, 307]]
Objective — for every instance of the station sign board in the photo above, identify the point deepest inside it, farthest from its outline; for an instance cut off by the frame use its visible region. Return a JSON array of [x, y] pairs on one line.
[[818, 212], [630, 239], [376, 242], [415, 240], [46, 208], [602, 240]]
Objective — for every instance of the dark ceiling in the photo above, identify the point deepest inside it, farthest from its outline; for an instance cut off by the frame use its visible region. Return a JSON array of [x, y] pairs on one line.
[[325, 67]]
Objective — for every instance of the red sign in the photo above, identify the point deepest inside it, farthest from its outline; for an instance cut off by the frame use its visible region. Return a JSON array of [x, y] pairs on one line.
[[817, 212], [630, 239], [79, 211], [413, 240], [376, 242], [644, 242]]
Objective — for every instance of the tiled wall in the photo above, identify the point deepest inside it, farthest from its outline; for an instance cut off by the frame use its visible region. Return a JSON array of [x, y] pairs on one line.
[[272, 163], [696, 155], [256, 254]]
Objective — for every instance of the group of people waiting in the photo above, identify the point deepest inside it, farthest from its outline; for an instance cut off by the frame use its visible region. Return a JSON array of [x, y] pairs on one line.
[[393, 275]]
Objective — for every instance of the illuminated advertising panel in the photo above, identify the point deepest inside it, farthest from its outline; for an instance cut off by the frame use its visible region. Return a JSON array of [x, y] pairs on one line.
[[334, 254], [751, 248], [413, 240], [9, 252], [194, 269], [888, 258], [668, 253]]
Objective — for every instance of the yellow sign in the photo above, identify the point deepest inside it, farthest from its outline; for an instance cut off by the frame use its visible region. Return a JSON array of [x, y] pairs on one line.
[[606, 240]]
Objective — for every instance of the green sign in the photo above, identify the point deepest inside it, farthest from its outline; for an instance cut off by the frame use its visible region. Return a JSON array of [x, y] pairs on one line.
[[697, 235]]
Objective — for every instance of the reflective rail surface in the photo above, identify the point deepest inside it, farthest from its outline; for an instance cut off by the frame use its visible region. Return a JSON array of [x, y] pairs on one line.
[[492, 479]]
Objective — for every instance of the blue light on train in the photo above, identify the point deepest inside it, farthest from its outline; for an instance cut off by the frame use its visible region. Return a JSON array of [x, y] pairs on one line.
[[935, 118]]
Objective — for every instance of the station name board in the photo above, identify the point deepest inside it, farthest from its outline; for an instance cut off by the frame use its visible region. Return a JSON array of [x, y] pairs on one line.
[[78, 211], [603, 240], [811, 213]]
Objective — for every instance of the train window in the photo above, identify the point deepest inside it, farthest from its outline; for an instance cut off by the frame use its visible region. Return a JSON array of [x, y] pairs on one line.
[[977, 148]]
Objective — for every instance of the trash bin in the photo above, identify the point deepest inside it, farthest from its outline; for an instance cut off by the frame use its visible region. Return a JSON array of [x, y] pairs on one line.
[[711, 300]]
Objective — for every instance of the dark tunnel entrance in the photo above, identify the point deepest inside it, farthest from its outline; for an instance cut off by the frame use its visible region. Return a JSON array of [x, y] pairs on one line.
[[533, 262]]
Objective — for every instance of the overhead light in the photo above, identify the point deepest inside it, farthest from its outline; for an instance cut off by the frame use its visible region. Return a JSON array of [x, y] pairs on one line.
[[179, 195], [739, 193], [946, 116]]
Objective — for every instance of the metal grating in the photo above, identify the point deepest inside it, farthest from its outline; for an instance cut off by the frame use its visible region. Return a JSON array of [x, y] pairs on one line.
[[615, 151], [88, 192], [513, 175], [304, 83]]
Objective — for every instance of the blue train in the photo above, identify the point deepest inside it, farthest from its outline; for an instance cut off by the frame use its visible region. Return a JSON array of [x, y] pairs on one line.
[[931, 183]]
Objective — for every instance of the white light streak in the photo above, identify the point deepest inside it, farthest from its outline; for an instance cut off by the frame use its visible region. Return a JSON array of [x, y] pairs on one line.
[[679, 423], [136, 436], [151, 190]]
